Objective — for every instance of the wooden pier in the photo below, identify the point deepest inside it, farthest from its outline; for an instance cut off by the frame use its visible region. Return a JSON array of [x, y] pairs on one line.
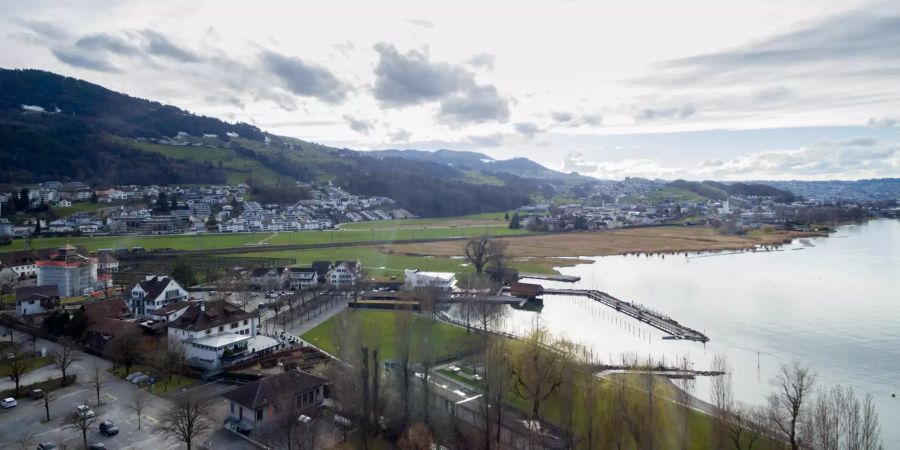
[[549, 277], [667, 325]]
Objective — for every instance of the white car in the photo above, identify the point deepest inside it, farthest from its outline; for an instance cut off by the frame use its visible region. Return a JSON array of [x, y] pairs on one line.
[[84, 411], [8, 402]]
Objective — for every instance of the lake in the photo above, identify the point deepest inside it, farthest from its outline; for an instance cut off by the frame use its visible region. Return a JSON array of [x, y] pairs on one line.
[[832, 303]]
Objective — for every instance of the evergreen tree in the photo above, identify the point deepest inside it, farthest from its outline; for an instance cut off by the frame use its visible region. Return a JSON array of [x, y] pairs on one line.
[[515, 223], [37, 226], [94, 198], [162, 202], [174, 202]]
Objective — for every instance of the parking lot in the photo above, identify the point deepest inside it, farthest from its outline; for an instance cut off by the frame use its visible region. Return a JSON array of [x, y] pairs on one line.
[[27, 419]]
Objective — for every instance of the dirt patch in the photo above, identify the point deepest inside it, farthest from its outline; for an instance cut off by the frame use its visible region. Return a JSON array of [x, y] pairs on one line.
[[614, 242]]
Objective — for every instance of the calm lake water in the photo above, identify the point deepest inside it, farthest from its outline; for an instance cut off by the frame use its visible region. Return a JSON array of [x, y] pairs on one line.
[[832, 303]]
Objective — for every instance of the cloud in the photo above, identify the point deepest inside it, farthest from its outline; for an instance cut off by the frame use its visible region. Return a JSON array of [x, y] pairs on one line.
[[357, 125], [399, 135], [421, 23], [561, 116], [77, 58], [158, 45], [570, 119], [402, 80], [103, 42], [478, 104], [575, 162], [412, 78], [45, 29], [884, 122], [482, 61], [305, 79], [527, 128], [666, 113]]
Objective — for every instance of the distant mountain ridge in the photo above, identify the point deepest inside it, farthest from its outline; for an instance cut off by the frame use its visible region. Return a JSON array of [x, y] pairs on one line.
[[59, 128], [523, 167]]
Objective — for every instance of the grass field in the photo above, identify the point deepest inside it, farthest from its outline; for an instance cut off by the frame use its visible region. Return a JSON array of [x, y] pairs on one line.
[[401, 230], [237, 168], [380, 328], [36, 363]]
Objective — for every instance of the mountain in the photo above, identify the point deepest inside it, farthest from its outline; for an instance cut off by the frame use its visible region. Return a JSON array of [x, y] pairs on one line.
[[522, 167], [59, 128], [720, 191]]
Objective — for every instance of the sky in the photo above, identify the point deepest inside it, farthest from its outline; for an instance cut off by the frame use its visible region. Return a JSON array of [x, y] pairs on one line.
[[694, 89]]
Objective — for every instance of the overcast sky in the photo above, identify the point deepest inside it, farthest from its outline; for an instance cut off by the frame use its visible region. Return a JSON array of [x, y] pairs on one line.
[[713, 89]]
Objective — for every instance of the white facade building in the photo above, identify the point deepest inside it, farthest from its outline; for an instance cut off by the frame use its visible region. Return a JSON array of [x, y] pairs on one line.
[[154, 292], [73, 274]]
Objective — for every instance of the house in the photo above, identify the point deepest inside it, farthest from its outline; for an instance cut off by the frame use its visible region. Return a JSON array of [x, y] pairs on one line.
[[71, 272], [216, 333], [170, 312], [100, 331], [107, 308], [107, 263], [154, 292], [528, 291], [36, 299], [321, 268], [344, 274], [24, 262], [267, 278], [302, 278], [6, 228], [416, 279], [254, 404]]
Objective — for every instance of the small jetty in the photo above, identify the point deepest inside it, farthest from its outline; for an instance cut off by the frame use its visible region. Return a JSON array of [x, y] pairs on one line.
[[549, 277], [665, 324]]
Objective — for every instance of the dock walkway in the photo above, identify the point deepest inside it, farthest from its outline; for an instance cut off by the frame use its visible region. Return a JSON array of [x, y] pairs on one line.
[[549, 277], [654, 319]]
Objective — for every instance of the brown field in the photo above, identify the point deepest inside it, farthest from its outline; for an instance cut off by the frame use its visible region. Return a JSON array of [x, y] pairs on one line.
[[615, 242]]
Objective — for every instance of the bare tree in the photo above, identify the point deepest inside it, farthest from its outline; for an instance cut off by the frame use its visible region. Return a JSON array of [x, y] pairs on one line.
[[838, 420], [65, 357], [25, 439], [80, 422], [97, 382], [684, 395], [495, 375], [170, 358], [138, 404], [186, 420], [591, 390], [787, 404], [478, 252], [19, 364], [722, 396], [403, 326], [125, 348], [49, 396]]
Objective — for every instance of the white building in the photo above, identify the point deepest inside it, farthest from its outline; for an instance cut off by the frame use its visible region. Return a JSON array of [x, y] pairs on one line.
[[216, 333], [72, 273], [36, 299], [416, 279], [302, 278], [344, 273], [6, 228], [154, 292]]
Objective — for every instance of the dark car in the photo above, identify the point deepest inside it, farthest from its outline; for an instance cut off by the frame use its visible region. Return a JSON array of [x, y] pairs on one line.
[[47, 446], [108, 428], [97, 446], [36, 394]]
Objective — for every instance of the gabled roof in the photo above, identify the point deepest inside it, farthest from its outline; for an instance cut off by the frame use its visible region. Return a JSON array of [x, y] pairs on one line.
[[113, 327], [214, 313], [170, 308], [262, 271], [106, 258], [36, 292], [321, 267], [152, 286], [109, 308], [283, 385]]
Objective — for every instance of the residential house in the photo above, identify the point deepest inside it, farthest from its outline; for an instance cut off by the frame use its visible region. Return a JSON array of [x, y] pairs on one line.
[[322, 268], [344, 274], [107, 263], [32, 300], [170, 312], [6, 228], [301, 278], [100, 331], [254, 404], [154, 292], [216, 333], [267, 277]]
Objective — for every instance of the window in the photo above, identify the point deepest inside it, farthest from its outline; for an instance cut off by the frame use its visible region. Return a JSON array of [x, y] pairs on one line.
[[208, 331], [259, 415], [233, 325], [222, 328], [232, 407], [245, 321]]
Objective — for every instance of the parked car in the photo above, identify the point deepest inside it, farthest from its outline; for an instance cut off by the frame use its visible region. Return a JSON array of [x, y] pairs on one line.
[[8, 402], [97, 446], [36, 394], [140, 379], [46, 446], [84, 411], [108, 428], [133, 376]]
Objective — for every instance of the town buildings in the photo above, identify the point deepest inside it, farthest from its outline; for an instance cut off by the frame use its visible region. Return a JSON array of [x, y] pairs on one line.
[[31, 300], [252, 406], [154, 292]]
